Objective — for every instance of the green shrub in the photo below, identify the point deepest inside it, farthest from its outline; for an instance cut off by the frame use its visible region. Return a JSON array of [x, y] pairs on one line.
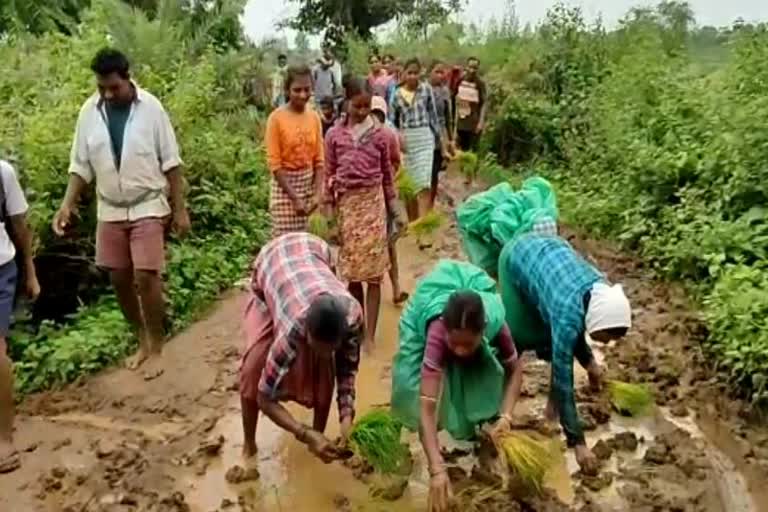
[[44, 82]]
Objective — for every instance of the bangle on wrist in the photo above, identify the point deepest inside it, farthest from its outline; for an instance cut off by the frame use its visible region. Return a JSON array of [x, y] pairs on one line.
[[440, 469], [506, 417]]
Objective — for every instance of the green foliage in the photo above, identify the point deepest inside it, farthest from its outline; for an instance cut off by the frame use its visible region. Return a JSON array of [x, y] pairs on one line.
[[340, 18], [528, 459], [427, 224], [424, 14], [406, 187], [630, 399], [376, 438], [319, 225], [44, 82]]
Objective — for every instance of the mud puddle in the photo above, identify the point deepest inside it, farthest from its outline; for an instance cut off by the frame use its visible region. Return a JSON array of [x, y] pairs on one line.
[[117, 443]]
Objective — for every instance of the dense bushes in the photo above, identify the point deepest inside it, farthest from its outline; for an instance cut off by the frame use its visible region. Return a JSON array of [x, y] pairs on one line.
[[671, 162], [43, 84]]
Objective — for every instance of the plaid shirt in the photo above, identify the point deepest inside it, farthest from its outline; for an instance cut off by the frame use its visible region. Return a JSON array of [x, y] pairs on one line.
[[289, 273], [554, 278], [545, 226], [419, 114]]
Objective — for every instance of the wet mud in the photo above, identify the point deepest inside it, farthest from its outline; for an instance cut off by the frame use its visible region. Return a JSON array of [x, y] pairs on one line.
[[116, 443]]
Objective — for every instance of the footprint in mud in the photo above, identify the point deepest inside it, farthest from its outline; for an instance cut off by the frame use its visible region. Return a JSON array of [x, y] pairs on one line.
[[239, 475]]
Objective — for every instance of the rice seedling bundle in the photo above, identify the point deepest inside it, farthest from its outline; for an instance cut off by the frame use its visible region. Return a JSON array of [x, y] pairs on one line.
[[528, 458], [376, 438], [319, 225], [406, 188], [630, 399], [426, 225], [468, 163]]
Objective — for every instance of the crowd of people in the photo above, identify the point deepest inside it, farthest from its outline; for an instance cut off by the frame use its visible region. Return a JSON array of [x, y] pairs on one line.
[[338, 150], [334, 144]]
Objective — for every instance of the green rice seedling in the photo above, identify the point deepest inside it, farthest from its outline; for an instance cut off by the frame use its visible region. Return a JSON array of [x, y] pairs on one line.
[[426, 225], [319, 225], [630, 399], [528, 458], [406, 188], [376, 438], [468, 163]]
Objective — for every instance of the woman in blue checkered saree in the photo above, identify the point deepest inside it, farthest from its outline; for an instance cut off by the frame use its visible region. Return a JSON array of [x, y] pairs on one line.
[[554, 299]]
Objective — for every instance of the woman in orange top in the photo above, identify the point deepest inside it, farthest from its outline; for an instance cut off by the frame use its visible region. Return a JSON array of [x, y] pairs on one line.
[[294, 140]]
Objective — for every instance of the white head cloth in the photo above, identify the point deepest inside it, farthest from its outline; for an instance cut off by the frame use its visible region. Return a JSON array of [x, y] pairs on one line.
[[608, 308]]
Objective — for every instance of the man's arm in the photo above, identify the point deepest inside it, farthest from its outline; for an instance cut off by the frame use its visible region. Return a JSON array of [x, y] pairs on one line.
[[16, 208], [562, 386]]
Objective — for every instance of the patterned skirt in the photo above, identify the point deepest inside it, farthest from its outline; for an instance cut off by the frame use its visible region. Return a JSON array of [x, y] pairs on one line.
[[419, 153], [284, 217], [362, 217], [309, 382]]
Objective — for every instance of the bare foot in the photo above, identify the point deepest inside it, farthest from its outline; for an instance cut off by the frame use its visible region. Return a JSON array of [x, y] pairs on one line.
[[249, 450], [136, 360], [10, 460], [153, 367], [369, 346]]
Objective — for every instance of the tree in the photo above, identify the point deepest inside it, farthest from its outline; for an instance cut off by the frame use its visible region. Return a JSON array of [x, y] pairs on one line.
[[427, 13], [38, 17], [301, 43]]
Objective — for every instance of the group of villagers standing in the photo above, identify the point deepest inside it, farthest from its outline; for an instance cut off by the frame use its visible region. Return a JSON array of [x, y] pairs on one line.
[[458, 363]]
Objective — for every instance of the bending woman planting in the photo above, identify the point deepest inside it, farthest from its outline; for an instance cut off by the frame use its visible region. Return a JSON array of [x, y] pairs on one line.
[[360, 186], [413, 112], [303, 332], [553, 300], [294, 140], [456, 366]]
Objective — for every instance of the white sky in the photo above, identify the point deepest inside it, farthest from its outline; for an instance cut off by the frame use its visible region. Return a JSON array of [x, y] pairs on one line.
[[261, 16]]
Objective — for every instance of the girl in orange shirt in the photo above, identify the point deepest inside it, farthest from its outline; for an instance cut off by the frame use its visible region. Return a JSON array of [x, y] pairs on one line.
[[294, 141]]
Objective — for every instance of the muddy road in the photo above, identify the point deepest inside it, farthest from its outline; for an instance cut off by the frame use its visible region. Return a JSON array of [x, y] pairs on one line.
[[117, 443]]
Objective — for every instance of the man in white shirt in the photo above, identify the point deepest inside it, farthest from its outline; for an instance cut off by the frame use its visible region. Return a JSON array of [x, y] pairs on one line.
[[278, 81], [124, 142], [15, 245]]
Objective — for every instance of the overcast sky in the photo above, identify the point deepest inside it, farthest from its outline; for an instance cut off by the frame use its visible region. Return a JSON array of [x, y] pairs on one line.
[[262, 15]]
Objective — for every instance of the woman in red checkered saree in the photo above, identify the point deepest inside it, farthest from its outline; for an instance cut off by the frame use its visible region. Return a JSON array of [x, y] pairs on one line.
[[303, 332]]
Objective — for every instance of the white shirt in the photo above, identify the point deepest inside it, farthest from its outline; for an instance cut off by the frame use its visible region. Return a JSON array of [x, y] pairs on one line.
[[139, 189], [14, 204]]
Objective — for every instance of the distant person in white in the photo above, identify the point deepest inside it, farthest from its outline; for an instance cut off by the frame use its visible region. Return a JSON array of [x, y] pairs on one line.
[[15, 245]]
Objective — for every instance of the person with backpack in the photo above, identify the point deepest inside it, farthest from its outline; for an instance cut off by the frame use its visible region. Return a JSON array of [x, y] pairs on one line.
[[17, 267]]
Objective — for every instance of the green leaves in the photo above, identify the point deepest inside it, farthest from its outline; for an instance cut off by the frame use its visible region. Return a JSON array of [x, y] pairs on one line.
[[44, 82]]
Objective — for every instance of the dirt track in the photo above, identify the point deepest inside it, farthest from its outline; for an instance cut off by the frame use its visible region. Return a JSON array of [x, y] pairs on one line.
[[117, 443]]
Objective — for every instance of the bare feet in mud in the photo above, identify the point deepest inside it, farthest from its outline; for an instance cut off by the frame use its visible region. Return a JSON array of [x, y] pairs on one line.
[[153, 367], [10, 460], [250, 451], [135, 361]]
